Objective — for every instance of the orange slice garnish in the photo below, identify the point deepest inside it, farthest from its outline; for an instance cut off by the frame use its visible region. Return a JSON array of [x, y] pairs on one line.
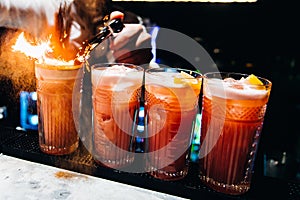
[[189, 79], [253, 80]]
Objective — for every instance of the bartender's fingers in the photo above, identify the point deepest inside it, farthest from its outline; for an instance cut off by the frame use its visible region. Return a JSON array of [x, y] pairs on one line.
[[133, 35], [117, 15]]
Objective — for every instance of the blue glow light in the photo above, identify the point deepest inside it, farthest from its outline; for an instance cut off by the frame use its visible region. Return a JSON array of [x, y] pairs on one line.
[[33, 120]]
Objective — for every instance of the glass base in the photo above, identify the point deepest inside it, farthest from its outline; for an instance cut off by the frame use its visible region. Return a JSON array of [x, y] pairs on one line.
[[53, 150], [231, 189], [115, 164], [168, 175]]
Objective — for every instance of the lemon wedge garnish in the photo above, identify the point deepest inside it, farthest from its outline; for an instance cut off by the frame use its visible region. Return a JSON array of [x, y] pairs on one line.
[[185, 78], [177, 80], [188, 79], [186, 75], [253, 80]]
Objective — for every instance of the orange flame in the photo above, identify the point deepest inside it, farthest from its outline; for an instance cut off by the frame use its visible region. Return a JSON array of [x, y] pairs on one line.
[[39, 52]]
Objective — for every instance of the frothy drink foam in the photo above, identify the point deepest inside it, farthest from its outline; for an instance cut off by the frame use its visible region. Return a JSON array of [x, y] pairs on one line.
[[234, 89], [117, 77]]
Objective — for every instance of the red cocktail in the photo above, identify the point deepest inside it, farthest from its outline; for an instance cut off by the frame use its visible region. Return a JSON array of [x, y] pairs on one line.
[[233, 111], [171, 106]]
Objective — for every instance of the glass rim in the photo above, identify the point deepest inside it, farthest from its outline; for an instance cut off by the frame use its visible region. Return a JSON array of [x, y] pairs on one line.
[[172, 69], [107, 65], [266, 82], [59, 67]]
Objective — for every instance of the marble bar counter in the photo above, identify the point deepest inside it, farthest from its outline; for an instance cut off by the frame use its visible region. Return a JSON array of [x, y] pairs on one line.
[[22, 179]]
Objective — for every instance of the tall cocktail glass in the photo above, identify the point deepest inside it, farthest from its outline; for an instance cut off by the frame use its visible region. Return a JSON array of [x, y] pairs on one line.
[[116, 99], [171, 105], [233, 110], [56, 127]]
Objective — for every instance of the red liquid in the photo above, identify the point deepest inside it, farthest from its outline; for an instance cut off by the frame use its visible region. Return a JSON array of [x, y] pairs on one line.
[[169, 128], [113, 126], [116, 92], [228, 166]]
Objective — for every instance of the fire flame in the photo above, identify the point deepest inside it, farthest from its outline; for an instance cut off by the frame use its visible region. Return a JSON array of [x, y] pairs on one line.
[[41, 51]]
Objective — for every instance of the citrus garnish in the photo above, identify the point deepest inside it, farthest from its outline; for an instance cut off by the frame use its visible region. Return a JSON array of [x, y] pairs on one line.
[[186, 75], [184, 78], [189, 79], [253, 80], [177, 80]]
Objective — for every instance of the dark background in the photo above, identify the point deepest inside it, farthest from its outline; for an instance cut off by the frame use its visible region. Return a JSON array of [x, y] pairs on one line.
[[260, 38]]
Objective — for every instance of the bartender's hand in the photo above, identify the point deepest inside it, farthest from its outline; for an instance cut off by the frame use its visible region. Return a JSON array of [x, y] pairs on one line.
[[132, 44], [79, 20]]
